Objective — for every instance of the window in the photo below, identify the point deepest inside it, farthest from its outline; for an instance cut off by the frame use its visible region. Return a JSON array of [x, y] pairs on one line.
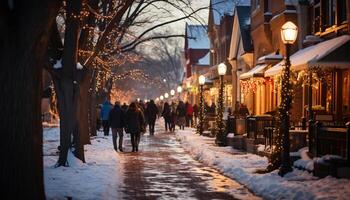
[[342, 11], [330, 10], [317, 18]]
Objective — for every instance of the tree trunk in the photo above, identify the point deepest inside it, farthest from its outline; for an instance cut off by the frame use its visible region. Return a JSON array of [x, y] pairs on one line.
[[25, 27], [67, 87], [83, 108]]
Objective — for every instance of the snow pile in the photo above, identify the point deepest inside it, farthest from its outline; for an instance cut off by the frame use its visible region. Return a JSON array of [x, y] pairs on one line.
[[79, 66], [58, 64], [98, 178], [243, 167], [305, 162]]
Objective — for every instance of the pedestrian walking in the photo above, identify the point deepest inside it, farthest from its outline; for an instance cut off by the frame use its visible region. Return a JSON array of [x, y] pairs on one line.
[[116, 121], [106, 108], [189, 115], [181, 115], [134, 121], [166, 115], [151, 115], [173, 117]]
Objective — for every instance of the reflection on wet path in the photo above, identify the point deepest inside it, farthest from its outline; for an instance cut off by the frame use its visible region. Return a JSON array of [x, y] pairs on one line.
[[163, 170]]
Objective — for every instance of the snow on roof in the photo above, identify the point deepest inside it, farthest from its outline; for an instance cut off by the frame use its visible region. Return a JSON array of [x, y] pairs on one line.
[[309, 56], [197, 37], [270, 57], [222, 7], [257, 71], [204, 60]]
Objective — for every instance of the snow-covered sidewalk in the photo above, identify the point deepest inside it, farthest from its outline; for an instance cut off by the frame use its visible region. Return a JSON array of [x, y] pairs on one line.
[[242, 167], [98, 178]]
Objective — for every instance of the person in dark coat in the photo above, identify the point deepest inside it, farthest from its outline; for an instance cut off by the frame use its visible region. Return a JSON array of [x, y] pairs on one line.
[[116, 121], [134, 120], [106, 108], [151, 115], [181, 115], [166, 114]]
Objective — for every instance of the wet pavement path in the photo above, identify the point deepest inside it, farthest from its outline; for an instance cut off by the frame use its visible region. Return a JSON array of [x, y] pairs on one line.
[[162, 169]]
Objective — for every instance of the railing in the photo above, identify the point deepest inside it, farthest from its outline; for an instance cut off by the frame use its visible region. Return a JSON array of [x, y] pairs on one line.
[[334, 140], [256, 126]]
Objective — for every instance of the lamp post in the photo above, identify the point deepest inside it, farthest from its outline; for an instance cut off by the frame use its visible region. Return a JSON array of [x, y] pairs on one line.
[[179, 90], [161, 97], [166, 95], [220, 136], [201, 81], [289, 32]]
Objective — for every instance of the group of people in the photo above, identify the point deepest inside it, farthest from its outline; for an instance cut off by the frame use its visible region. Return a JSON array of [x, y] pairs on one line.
[[131, 119], [182, 114], [135, 117]]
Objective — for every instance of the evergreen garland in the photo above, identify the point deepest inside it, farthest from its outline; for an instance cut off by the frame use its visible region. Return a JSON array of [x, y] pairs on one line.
[[220, 125], [201, 115]]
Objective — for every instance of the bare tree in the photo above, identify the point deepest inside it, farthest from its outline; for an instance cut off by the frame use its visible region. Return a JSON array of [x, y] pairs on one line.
[[107, 31]]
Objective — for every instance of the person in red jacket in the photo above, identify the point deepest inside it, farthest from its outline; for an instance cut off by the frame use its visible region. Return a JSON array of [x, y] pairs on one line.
[[189, 115]]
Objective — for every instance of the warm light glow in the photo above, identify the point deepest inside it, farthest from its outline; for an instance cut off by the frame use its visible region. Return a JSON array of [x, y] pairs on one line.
[[138, 99], [188, 84], [201, 80], [179, 89], [161, 97], [164, 80], [166, 95], [222, 68], [157, 99], [289, 32], [172, 92]]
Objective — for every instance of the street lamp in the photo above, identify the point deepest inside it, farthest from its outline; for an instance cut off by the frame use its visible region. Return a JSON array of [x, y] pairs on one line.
[[179, 90], [220, 135], [201, 81], [289, 32], [172, 93], [161, 97], [157, 99], [166, 95]]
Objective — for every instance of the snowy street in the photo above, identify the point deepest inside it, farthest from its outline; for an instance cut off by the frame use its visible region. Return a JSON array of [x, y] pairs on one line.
[[161, 169]]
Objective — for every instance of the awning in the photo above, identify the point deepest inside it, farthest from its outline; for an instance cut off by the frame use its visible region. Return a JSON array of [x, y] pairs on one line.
[[257, 71], [327, 54]]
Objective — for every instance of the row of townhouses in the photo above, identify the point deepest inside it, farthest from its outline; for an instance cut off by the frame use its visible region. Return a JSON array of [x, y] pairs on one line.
[[246, 37]]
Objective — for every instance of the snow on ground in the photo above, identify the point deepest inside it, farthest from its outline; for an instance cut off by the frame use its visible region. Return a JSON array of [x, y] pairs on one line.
[[98, 178], [242, 167]]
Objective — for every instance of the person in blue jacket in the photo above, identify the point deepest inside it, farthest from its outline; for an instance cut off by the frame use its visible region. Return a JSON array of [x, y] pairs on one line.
[[106, 108]]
